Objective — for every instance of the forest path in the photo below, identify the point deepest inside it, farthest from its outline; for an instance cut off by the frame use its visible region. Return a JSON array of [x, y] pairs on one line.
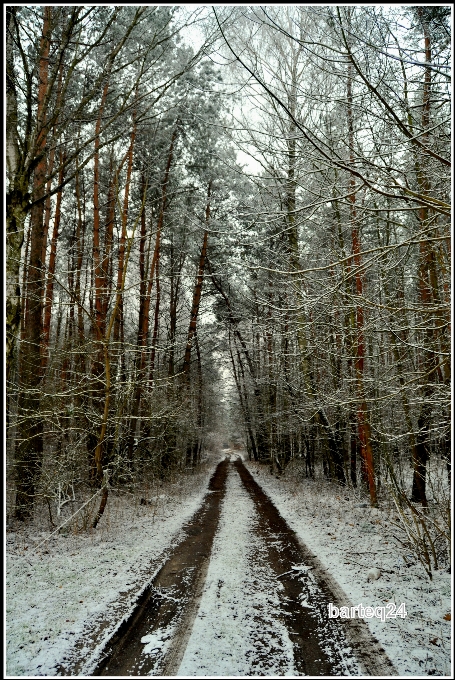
[[240, 596]]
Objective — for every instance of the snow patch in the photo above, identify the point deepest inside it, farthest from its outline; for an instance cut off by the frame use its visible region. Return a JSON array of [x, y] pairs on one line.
[[237, 630], [348, 537]]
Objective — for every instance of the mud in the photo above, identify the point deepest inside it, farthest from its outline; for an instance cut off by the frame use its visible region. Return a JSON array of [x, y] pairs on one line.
[[316, 638], [165, 611], [163, 606]]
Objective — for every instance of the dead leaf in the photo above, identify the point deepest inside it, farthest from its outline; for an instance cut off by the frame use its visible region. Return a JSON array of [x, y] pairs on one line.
[[447, 617], [434, 641]]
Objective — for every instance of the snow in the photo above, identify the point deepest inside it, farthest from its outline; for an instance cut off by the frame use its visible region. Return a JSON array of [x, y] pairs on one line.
[[67, 596], [353, 542], [373, 574], [237, 626], [157, 642]]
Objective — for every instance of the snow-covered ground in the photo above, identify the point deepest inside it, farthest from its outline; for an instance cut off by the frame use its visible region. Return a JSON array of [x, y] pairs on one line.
[[236, 627], [66, 595], [350, 541], [61, 592]]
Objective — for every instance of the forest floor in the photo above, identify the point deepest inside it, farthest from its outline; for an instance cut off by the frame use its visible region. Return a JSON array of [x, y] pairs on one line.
[[214, 582], [66, 595], [351, 539]]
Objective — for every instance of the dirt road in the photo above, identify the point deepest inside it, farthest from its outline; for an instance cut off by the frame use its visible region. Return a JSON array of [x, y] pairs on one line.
[[240, 595]]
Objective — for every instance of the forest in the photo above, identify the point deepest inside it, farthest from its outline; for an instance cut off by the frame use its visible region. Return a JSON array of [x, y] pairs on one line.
[[233, 220]]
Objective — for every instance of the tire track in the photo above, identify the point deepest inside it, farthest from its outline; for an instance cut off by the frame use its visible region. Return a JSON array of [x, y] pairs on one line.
[[239, 629], [153, 639], [322, 646], [161, 613]]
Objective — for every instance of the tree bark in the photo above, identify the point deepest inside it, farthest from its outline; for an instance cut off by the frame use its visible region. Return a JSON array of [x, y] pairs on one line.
[[48, 299], [197, 292], [427, 294], [156, 319], [30, 450], [243, 398], [119, 322], [17, 201], [144, 311], [363, 425]]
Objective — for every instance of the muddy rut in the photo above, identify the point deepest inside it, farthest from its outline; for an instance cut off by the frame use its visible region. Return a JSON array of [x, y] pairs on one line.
[[165, 603], [161, 621]]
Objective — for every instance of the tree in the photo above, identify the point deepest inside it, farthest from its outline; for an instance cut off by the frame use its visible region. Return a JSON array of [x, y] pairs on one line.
[[80, 65], [299, 64]]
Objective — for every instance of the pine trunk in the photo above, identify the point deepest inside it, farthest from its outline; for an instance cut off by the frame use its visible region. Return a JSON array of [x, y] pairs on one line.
[[197, 291], [363, 425], [30, 450]]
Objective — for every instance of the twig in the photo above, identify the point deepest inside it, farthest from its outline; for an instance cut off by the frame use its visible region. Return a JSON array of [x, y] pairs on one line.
[[67, 520]]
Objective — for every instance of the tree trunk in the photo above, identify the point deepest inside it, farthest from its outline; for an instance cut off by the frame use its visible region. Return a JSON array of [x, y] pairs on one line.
[[144, 312], [48, 299], [30, 450], [17, 200], [99, 325], [156, 319], [119, 322], [197, 292], [427, 294], [363, 424]]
